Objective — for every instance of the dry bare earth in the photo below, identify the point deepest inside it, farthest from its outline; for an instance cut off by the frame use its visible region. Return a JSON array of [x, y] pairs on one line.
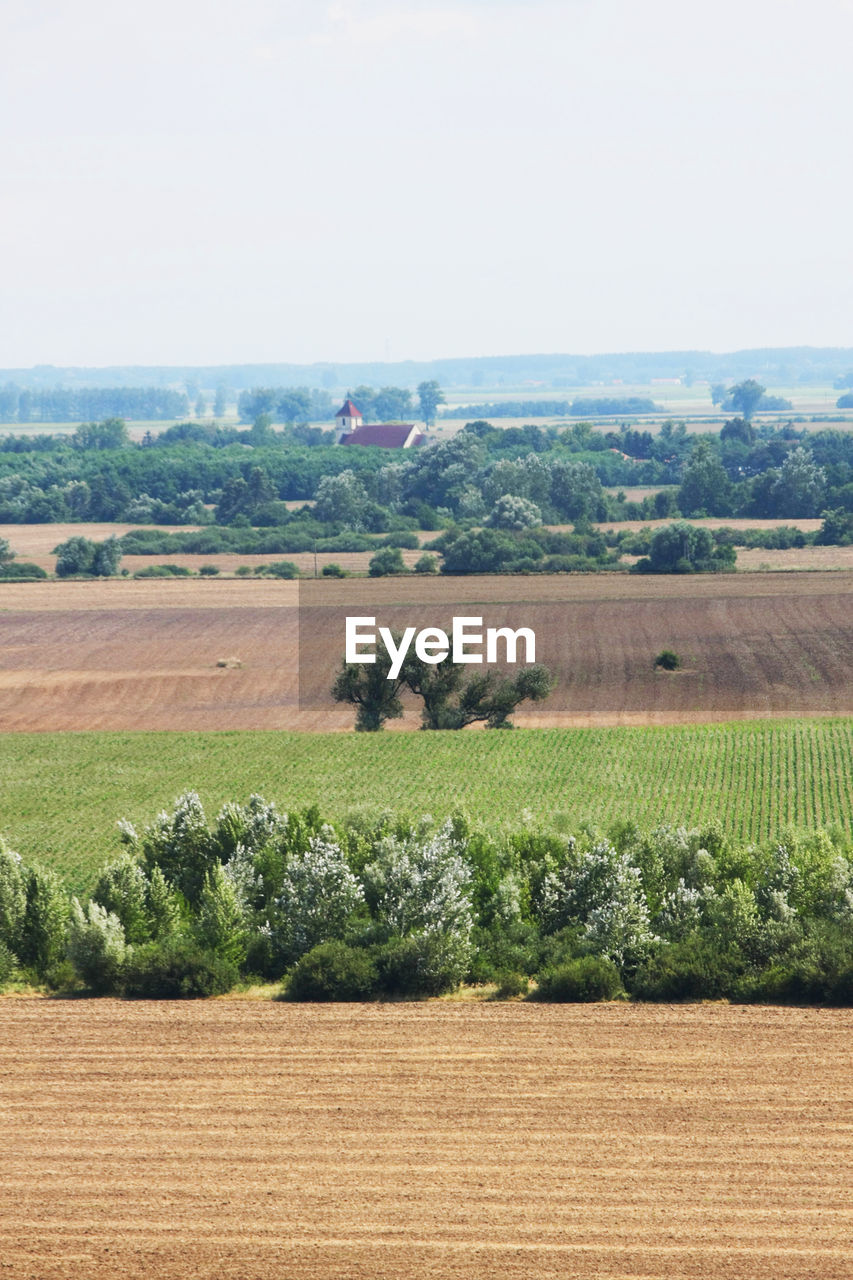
[[241, 1140], [143, 655]]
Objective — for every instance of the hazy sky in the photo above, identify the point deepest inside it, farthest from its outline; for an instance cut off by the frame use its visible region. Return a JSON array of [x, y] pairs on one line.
[[211, 181]]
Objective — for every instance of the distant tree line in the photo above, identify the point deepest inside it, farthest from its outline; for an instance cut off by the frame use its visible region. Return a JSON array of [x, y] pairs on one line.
[[81, 404], [302, 404], [581, 407]]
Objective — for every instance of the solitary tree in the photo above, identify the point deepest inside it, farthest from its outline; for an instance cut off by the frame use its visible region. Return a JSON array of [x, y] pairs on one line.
[[430, 396], [745, 396]]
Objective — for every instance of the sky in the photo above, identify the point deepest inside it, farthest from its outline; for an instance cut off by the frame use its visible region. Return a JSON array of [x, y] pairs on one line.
[[207, 181]]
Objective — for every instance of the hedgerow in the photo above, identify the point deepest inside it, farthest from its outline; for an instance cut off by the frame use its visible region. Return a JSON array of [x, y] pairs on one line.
[[388, 907]]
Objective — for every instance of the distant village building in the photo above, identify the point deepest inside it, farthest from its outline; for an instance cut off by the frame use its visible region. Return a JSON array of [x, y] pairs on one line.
[[387, 435]]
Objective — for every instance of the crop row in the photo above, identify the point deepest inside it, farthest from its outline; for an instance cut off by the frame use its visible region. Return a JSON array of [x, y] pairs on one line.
[[62, 794]]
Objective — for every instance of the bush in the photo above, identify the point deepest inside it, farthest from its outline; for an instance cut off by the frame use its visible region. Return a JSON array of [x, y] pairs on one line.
[[333, 570], [209, 570], [511, 985], [422, 964], [333, 971], [426, 563], [164, 571], [283, 569], [176, 969], [22, 570], [668, 660], [387, 561], [403, 538], [583, 981], [695, 969]]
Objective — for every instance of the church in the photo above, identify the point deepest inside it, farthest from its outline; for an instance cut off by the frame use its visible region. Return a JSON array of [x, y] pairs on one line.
[[388, 435]]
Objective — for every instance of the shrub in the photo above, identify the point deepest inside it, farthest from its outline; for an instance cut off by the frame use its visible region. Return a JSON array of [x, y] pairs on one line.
[[694, 969], [423, 964], [426, 563], [333, 971], [333, 570], [176, 969], [402, 538], [583, 981], [668, 660], [511, 985], [22, 570], [209, 570], [165, 571], [388, 560], [282, 569]]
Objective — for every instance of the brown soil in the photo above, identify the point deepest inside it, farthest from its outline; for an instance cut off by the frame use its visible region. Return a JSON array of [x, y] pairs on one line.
[[143, 655], [754, 559], [247, 1141]]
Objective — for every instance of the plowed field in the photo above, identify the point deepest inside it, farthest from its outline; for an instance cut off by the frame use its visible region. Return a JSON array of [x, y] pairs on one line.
[[143, 655], [253, 1140]]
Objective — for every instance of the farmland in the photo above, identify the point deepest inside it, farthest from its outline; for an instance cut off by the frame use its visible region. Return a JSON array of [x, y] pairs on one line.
[[62, 794], [120, 655], [228, 1139]]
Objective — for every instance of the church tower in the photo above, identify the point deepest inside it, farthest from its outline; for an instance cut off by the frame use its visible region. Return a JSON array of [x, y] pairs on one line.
[[349, 417]]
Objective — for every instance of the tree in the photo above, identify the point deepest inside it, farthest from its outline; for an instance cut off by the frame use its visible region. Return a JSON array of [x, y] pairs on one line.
[[705, 487], [96, 946], [430, 396], [450, 701], [798, 485], [82, 556], [220, 401], [685, 548], [510, 512], [745, 396], [739, 430], [7, 555], [368, 688], [341, 499], [295, 405], [421, 884], [318, 895], [109, 434], [392, 404]]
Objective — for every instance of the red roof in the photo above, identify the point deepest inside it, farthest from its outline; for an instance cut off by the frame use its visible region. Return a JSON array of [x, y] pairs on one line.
[[348, 410], [388, 435]]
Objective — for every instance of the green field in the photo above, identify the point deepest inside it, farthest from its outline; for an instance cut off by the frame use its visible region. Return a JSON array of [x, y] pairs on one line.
[[62, 794]]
